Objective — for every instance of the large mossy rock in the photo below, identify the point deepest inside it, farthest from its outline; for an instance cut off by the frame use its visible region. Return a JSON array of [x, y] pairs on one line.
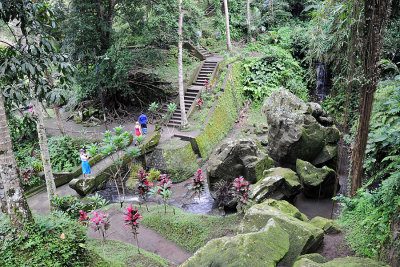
[[264, 248], [234, 158], [315, 257], [278, 183], [317, 182], [297, 129], [287, 208], [340, 262], [304, 237], [329, 226]]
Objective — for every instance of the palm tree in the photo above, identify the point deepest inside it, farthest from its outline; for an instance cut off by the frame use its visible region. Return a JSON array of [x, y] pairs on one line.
[[11, 191], [248, 21], [180, 67], [228, 34]]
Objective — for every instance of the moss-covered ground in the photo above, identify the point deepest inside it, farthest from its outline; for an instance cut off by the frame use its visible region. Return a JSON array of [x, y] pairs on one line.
[[190, 231], [122, 254]]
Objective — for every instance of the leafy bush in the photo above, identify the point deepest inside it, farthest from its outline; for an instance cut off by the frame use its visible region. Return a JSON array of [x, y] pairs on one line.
[[368, 216], [262, 76], [54, 240], [71, 205]]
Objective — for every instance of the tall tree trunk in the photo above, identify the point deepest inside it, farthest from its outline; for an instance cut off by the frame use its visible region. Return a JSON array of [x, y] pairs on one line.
[[59, 120], [44, 150], [376, 13], [248, 21], [10, 186], [228, 33], [180, 67]]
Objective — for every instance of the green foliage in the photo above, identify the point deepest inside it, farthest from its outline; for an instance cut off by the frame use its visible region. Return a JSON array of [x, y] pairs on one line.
[[64, 152], [190, 231], [122, 254], [262, 76], [382, 152], [153, 175], [71, 205], [368, 215], [54, 240]]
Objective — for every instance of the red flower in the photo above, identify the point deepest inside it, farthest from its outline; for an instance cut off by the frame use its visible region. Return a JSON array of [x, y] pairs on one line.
[[132, 216]]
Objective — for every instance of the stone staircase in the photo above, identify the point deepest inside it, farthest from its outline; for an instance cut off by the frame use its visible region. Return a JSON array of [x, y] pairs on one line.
[[204, 51], [194, 90]]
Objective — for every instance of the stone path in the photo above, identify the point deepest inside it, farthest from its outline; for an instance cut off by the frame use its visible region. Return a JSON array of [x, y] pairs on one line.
[[149, 239]]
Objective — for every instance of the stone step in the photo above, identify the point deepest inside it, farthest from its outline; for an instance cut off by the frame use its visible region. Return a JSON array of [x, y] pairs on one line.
[[191, 92], [189, 98]]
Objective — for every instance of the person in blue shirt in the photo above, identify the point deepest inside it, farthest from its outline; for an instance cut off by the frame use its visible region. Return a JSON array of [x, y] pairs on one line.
[[143, 122]]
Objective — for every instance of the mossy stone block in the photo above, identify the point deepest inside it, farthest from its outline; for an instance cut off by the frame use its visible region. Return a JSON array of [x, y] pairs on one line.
[[329, 226], [315, 257], [304, 237], [287, 208], [264, 248]]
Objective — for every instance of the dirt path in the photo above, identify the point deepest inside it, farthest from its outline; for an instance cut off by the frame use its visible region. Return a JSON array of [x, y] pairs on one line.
[[149, 239]]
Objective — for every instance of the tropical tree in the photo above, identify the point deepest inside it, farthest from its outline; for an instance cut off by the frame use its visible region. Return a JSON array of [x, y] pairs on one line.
[[248, 20], [13, 201], [25, 64], [228, 34], [376, 14], [180, 66]]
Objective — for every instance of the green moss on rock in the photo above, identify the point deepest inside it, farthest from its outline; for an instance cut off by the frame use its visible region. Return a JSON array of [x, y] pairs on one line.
[[278, 183], [340, 262], [223, 117], [317, 182], [315, 257], [304, 237], [329, 226], [287, 208], [180, 160], [264, 248]]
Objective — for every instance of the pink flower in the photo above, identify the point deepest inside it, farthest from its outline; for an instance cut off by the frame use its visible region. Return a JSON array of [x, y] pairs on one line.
[[131, 217]]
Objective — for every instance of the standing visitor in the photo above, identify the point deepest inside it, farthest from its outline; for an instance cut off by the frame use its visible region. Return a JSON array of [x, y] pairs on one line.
[[143, 122], [138, 129], [85, 164]]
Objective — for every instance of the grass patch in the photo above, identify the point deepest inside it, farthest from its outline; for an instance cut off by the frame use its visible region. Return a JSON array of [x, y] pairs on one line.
[[256, 116], [190, 231], [123, 254]]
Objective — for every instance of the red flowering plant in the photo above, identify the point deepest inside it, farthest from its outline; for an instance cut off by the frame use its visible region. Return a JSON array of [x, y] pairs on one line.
[[199, 103], [27, 173], [100, 222], [198, 183], [207, 84], [144, 185], [240, 191], [83, 217], [131, 219], [163, 189]]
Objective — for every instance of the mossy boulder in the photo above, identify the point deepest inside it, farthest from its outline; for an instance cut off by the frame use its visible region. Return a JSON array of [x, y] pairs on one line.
[[278, 183], [179, 158], [83, 186], [327, 157], [317, 182], [304, 237], [341, 262], [296, 129], [150, 142], [287, 208], [315, 257], [329, 226], [234, 158], [264, 248]]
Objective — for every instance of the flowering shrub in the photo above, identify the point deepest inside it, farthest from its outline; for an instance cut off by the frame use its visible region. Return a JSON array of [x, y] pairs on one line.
[[207, 84], [163, 189], [83, 217], [199, 103], [100, 222], [27, 173], [131, 219], [198, 183], [144, 184], [240, 190]]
